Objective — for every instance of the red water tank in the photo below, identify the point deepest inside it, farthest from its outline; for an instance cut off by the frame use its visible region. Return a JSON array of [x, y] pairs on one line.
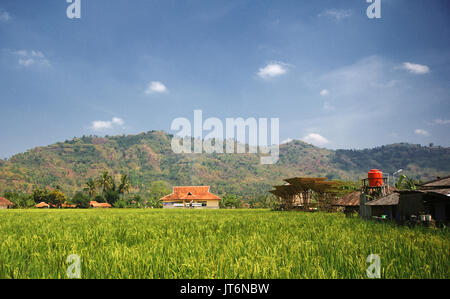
[[375, 178]]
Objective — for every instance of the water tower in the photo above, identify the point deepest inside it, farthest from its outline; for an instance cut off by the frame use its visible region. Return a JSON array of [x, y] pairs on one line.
[[373, 187]]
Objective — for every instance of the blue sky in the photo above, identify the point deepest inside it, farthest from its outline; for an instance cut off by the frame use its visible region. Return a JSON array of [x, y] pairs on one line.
[[332, 76]]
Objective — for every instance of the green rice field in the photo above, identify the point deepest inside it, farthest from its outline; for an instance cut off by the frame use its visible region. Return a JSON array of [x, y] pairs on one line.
[[155, 243]]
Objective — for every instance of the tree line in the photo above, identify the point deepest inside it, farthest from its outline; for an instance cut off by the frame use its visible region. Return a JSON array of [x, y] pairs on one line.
[[103, 189]]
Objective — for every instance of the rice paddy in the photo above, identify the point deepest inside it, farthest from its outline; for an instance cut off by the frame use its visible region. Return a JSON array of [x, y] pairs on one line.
[[154, 243]]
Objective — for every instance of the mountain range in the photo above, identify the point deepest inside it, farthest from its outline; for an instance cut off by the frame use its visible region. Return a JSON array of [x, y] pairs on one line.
[[148, 157]]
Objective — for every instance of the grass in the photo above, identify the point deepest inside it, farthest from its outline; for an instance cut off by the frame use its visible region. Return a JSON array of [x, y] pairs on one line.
[[214, 244]]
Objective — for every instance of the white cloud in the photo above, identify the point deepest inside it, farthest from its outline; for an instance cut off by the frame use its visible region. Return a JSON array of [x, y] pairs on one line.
[[272, 70], [324, 92], [415, 68], [156, 87], [26, 62], [337, 14], [38, 54], [118, 121], [315, 139], [356, 92], [442, 121], [4, 16], [422, 132], [101, 125], [287, 140], [28, 58]]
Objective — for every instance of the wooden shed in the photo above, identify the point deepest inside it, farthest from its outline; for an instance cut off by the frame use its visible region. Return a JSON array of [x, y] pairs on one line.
[[436, 197], [350, 202], [437, 203], [402, 206], [385, 206]]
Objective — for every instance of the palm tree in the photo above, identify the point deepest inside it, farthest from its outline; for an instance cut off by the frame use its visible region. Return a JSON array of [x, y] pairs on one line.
[[125, 184], [91, 187], [106, 182]]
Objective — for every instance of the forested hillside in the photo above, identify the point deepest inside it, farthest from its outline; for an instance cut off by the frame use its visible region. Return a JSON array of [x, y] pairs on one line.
[[147, 157]]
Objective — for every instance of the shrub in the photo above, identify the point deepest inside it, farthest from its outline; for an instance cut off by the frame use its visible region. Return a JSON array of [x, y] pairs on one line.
[[81, 200]]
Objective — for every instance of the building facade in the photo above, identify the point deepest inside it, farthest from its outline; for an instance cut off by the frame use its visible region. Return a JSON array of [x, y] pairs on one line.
[[432, 198], [196, 197]]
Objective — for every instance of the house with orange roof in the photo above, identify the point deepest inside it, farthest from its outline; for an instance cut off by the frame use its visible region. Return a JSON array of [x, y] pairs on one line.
[[42, 205], [197, 197], [103, 205], [68, 206], [5, 203]]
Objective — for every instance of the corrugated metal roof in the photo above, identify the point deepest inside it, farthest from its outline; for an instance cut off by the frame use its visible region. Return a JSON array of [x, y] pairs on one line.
[[389, 200], [350, 200], [444, 191], [353, 199], [439, 182]]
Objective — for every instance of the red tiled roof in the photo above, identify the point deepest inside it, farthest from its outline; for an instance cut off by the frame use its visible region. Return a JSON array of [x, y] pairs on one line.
[[4, 202], [42, 205], [191, 193]]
